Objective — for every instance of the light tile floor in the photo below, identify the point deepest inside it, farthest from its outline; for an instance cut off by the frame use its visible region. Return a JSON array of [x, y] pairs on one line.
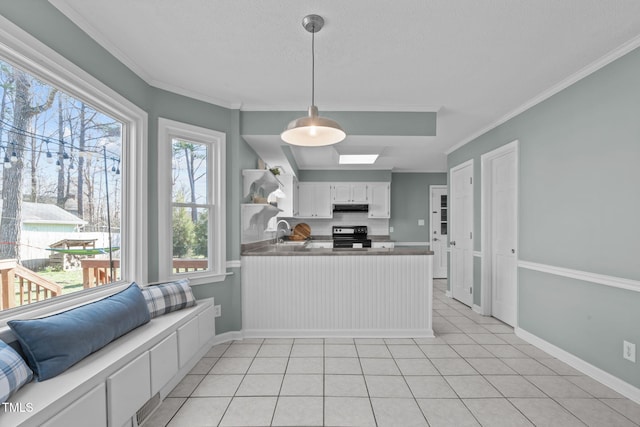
[[475, 372]]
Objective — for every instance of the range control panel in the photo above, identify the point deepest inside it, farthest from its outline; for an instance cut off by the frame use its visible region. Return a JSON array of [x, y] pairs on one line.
[[350, 230]]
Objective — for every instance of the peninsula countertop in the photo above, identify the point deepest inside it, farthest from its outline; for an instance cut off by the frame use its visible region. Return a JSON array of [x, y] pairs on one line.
[[275, 249]]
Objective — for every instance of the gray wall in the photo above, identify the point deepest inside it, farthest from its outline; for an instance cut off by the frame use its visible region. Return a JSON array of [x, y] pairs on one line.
[[410, 202], [578, 209], [44, 22]]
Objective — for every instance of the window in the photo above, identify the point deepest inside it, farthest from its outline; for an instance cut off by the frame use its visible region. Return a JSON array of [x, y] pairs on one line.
[[72, 176], [191, 191]]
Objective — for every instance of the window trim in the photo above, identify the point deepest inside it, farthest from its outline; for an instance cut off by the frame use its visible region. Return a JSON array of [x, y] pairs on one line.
[[25, 51], [167, 130]]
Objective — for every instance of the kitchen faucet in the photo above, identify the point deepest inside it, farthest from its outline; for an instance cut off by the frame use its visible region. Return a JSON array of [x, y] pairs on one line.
[[277, 229]]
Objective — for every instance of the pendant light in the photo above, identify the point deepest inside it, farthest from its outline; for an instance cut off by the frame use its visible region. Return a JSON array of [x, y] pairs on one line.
[[313, 130]]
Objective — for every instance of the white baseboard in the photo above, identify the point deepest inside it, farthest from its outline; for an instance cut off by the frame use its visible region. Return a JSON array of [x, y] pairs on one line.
[[477, 309], [448, 294], [613, 382], [227, 336], [338, 333]]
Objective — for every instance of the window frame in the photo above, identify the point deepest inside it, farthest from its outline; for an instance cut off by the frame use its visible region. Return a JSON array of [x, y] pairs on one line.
[[23, 50], [216, 187]]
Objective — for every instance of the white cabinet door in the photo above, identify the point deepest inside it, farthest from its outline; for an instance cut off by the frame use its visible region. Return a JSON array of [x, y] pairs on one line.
[[164, 362], [306, 203], [92, 406], [350, 192], [383, 245], [342, 193], [314, 200], [128, 389], [207, 325], [288, 204], [359, 193], [188, 341], [379, 200]]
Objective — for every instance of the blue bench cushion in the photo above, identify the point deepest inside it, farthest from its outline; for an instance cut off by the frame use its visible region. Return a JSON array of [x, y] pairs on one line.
[[14, 372], [53, 344], [166, 297]]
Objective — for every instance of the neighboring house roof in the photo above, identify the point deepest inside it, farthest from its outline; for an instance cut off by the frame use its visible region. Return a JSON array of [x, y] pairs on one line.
[[43, 213]]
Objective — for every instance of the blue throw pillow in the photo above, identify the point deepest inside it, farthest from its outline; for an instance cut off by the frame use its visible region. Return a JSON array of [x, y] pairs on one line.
[[53, 344], [14, 372]]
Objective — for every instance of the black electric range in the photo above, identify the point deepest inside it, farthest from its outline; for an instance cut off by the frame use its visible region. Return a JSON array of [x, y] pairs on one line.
[[350, 236]]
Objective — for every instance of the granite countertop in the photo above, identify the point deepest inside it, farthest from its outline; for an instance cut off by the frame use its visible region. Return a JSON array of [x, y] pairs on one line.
[[301, 250]]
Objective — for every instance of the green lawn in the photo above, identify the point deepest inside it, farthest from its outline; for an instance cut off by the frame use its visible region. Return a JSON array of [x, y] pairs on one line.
[[71, 280]]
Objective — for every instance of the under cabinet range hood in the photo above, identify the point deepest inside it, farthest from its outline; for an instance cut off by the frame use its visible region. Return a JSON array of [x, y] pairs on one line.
[[350, 208]]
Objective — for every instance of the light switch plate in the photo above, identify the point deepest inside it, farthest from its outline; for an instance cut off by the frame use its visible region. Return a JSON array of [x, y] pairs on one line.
[[421, 222]]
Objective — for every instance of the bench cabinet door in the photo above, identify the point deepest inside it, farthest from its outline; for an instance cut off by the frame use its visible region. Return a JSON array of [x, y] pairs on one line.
[[207, 323], [188, 341], [92, 406], [128, 389], [164, 362]]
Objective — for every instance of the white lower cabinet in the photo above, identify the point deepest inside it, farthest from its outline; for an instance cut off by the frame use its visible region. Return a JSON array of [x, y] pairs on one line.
[[128, 389], [92, 406], [188, 340], [207, 325], [164, 362], [380, 245]]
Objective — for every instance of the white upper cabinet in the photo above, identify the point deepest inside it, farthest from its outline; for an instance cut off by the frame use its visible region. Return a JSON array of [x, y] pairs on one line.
[[350, 192], [379, 200], [314, 200], [289, 204]]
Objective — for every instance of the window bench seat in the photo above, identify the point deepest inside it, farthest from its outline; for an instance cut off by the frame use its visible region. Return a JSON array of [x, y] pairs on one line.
[[110, 386]]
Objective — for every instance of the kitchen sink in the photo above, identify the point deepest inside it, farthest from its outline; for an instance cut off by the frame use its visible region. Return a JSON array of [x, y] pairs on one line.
[[320, 244], [292, 243]]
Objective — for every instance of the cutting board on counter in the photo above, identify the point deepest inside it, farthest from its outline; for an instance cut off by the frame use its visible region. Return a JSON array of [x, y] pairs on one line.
[[301, 231]]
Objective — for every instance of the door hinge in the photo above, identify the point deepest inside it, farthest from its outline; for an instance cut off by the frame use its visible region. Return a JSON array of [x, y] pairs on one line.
[[471, 180], [471, 235], [470, 289]]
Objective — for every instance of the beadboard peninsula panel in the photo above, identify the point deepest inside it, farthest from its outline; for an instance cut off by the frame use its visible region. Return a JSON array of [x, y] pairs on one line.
[[368, 295]]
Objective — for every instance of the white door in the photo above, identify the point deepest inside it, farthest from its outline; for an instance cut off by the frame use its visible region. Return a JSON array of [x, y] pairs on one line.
[[461, 235], [503, 237], [438, 206]]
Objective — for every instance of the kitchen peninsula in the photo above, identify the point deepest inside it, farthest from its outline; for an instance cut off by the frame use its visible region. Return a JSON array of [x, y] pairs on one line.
[[300, 291]]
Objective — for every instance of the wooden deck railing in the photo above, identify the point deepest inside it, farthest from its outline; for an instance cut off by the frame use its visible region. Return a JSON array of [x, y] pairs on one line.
[[96, 272], [20, 286], [29, 286]]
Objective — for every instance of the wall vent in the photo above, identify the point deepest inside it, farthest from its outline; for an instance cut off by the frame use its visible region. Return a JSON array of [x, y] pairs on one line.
[[148, 408]]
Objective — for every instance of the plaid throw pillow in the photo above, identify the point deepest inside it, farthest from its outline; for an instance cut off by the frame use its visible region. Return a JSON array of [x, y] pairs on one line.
[[14, 372], [164, 298]]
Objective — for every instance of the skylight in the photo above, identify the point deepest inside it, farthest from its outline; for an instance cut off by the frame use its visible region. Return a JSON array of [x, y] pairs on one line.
[[357, 159]]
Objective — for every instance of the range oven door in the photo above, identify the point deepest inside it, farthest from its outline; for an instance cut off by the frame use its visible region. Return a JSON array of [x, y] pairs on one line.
[[352, 243]]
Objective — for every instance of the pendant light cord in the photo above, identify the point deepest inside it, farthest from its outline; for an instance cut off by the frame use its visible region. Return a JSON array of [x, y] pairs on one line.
[[313, 66]]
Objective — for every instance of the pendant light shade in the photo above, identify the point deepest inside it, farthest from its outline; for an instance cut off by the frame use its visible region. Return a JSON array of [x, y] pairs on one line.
[[313, 130]]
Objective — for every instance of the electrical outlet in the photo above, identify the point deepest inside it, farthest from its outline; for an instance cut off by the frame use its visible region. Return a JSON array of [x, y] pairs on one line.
[[629, 351], [217, 310], [390, 229]]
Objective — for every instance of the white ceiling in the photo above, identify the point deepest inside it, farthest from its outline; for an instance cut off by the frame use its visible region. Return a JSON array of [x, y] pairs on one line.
[[475, 62]]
